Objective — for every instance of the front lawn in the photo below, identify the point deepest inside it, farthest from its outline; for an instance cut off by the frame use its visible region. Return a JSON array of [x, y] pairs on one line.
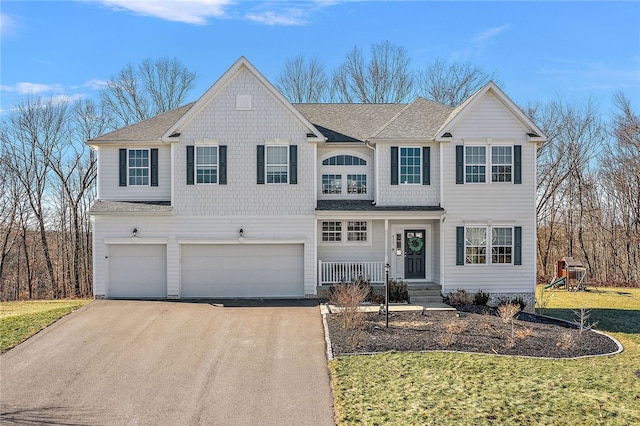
[[21, 320], [451, 388]]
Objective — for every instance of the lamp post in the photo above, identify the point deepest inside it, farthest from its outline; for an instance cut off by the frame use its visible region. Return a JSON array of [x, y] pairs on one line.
[[386, 291]]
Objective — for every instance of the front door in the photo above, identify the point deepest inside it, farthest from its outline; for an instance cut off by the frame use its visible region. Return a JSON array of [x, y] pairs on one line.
[[414, 253]]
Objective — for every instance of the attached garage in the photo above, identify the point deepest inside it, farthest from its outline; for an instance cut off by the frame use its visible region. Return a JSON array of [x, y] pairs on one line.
[[242, 270], [137, 271]]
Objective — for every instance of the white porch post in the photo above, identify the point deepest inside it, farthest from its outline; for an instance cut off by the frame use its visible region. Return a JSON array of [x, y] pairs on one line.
[[386, 241]]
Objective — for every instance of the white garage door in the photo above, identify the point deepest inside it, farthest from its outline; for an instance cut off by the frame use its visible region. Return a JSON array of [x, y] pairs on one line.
[[137, 271], [242, 270]]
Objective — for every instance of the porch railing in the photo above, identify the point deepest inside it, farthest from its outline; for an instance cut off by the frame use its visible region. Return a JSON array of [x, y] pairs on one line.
[[336, 272]]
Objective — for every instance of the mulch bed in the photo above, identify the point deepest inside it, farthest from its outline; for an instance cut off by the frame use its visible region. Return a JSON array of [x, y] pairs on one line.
[[414, 331]]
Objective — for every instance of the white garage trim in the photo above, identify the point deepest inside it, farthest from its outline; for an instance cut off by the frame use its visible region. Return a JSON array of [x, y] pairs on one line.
[[135, 240], [185, 241]]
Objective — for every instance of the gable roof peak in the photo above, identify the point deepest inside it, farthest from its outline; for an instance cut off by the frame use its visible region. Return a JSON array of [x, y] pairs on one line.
[[241, 62]]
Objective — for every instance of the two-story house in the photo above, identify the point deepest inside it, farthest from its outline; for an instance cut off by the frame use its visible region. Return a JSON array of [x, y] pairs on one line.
[[243, 194]]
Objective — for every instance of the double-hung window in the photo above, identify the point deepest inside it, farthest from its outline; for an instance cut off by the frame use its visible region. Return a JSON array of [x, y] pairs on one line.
[[277, 164], [501, 163], [495, 164], [206, 164], [410, 165], [475, 160], [138, 167], [490, 245], [350, 231], [332, 232]]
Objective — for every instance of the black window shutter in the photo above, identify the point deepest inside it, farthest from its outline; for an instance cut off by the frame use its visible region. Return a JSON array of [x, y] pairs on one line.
[[459, 245], [154, 167], [517, 164], [459, 164], [517, 245], [260, 165], [394, 165], [293, 164], [190, 164], [222, 164], [123, 167], [426, 165]]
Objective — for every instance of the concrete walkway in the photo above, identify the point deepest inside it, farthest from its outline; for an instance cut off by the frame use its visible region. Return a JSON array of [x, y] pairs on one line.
[[171, 363]]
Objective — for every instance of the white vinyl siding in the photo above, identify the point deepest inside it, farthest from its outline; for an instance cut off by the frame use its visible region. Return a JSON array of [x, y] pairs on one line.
[[489, 122], [108, 177]]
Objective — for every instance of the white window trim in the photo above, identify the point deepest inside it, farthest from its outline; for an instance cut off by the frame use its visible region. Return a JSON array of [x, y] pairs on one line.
[[400, 182], [148, 184], [487, 161], [266, 161], [344, 242], [344, 171], [489, 237], [195, 163]]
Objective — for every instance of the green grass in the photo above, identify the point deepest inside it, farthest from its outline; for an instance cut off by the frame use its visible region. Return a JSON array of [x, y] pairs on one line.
[[21, 320], [470, 389]]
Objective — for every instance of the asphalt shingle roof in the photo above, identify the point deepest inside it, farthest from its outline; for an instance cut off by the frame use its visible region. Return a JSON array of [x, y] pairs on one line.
[[149, 207], [366, 205], [151, 129]]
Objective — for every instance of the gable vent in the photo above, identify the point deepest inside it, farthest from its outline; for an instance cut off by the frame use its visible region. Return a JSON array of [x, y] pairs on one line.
[[174, 135], [243, 102]]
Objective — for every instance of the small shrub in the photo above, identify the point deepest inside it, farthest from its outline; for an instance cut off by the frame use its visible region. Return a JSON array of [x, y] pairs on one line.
[[543, 298], [459, 298], [377, 298], [455, 327], [348, 297], [398, 291], [567, 341], [582, 316], [481, 298], [508, 312], [515, 301], [523, 333], [446, 340]]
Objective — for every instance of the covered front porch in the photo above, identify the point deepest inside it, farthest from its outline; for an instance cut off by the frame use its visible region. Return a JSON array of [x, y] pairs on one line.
[[358, 240]]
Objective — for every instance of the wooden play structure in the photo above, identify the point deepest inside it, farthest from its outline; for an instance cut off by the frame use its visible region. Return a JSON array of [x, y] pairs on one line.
[[571, 274]]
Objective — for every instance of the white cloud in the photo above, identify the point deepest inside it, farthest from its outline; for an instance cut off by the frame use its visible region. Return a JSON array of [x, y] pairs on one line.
[[487, 35], [287, 17], [190, 12], [7, 24], [27, 88]]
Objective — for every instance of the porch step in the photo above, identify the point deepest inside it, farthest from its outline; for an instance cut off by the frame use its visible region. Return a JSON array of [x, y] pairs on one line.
[[424, 295]]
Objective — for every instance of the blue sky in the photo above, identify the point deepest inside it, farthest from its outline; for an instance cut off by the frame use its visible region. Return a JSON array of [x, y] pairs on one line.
[[540, 50]]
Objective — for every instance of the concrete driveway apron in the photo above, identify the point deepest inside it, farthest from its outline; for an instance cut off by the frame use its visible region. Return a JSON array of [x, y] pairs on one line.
[[139, 362]]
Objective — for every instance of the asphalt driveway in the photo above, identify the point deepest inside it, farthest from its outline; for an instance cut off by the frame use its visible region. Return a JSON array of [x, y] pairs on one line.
[[155, 363]]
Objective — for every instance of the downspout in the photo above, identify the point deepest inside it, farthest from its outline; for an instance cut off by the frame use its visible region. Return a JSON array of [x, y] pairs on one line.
[[375, 171]]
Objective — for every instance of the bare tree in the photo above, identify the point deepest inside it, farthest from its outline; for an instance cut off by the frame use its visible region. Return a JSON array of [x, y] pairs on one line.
[[575, 134], [303, 80], [34, 128], [384, 78], [140, 92], [451, 83]]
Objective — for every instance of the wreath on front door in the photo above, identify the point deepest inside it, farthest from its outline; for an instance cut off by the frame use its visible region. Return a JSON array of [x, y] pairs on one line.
[[415, 244]]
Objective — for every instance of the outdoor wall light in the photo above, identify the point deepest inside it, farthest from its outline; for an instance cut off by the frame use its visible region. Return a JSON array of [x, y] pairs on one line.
[[241, 232], [135, 232]]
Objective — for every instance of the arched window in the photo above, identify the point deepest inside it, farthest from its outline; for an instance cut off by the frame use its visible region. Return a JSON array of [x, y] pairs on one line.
[[344, 176]]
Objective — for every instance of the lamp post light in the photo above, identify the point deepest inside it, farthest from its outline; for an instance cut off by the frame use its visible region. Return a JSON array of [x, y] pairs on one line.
[[386, 291]]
